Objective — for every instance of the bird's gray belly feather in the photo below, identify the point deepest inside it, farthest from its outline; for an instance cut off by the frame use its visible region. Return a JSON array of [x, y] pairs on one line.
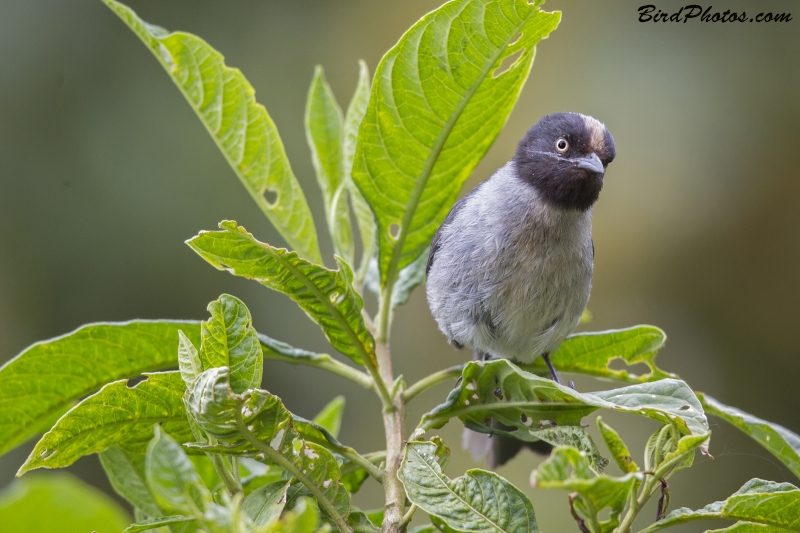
[[515, 285]]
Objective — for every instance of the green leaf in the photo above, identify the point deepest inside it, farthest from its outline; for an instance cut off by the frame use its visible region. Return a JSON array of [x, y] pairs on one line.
[[303, 518], [327, 296], [155, 523], [280, 351], [325, 138], [437, 104], [189, 361], [557, 436], [750, 527], [48, 377], [569, 469], [225, 103], [478, 501], [619, 451], [115, 415], [779, 441], [331, 416], [364, 215], [667, 451], [408, 279], [215, 407], [172, 479], [58, 502], [499, 389], [229, 339], [125, 471], [265, 504], [593, 353], [758, 501]]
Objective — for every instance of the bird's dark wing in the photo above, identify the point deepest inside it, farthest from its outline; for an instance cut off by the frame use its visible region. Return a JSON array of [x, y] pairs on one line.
[[592, 248], [450, 217]]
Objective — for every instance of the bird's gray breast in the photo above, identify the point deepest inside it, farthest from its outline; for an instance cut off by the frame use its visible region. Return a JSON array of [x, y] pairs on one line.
[[511, 275]]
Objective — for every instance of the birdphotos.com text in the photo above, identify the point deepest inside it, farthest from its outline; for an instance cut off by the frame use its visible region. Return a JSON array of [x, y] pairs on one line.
[[698, 13]]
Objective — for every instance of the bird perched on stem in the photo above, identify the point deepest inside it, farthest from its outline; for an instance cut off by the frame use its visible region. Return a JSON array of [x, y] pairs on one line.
[[510, 269]]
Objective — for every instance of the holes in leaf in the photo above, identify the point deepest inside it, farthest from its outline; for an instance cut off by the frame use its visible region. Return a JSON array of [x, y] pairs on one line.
[[516, 38], [271, 197], [334, 296], [394, 231], [507, 63], [618, 364], [132, 382]]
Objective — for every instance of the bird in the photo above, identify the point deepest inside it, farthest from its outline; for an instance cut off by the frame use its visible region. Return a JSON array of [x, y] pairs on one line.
[[509, 271]]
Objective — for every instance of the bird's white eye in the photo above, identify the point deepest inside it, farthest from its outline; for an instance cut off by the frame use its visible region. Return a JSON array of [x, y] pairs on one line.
[[562, 145]]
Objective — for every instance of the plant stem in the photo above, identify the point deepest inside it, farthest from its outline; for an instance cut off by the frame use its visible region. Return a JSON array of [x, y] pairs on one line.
[[408, 516], [279, 459], [394, 429], [231, 483], [429, 381], [636, 503], [362, 461]]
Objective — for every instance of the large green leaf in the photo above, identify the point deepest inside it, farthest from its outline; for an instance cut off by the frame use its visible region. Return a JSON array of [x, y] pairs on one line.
[[115, 415], [225, 103], [779, 441], [215, 407], [593, 353], [229, 339], [758, 502], [171, 477], [58, 502], [324, 131], [364, 215], [264, 505], [125, 471], [327, 296], [478, 501], [49, 376], [438, 101], [500, 390], [567, 468]]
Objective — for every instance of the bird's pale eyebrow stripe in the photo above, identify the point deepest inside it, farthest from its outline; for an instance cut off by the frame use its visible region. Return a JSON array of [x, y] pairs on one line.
[[596, 133]]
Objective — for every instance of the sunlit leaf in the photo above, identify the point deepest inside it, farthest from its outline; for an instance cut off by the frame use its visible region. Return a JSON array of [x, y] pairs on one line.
[[58, 502], [325, 138], [779, 441], [593, 354], [668, 451], [51, 375], [439, 99], [758, 501], [327, 296], [225, 103], [229, 339], [478, 501], [499, 389], [115, 415]]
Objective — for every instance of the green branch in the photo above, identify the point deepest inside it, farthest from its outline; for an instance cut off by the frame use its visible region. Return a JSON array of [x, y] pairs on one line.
[[281, 461], [429, 381]]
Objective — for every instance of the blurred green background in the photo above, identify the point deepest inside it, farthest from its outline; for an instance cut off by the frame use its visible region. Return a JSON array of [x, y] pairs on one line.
[[105, 171]]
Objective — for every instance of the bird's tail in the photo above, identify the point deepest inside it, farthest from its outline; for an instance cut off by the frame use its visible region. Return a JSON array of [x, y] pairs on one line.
[[497, 449]]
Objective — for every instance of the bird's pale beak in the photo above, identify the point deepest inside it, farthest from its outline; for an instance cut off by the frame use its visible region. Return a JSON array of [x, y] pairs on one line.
[[591, 163]]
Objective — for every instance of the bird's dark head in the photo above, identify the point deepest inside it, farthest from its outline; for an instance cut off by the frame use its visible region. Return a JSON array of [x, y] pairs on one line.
[[564, 156]]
